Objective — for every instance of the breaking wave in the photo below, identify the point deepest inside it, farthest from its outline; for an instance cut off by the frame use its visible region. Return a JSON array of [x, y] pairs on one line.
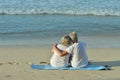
[[60, 7], [94, 12]]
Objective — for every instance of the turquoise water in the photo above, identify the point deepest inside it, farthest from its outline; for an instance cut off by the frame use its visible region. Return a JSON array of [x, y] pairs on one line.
[[44, 22], [44, 30]]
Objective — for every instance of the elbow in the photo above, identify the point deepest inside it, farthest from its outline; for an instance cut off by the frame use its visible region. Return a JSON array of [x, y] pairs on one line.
[[64, 53], [61, 55]]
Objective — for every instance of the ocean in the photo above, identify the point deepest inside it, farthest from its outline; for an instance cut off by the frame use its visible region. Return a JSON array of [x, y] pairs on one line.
[[43, 22]]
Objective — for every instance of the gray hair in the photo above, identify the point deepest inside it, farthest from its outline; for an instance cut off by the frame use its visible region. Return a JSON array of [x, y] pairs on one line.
[[73, 36]]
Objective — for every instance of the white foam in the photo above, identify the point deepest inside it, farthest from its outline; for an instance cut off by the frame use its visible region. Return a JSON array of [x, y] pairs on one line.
[[60, 12], [63, 7]]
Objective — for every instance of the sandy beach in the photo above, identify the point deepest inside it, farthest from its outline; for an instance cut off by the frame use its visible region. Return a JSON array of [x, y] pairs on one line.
[[28, 29], [15, 64]]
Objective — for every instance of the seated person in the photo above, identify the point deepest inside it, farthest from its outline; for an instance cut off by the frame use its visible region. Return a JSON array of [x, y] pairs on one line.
[[77, 50], [58, 61]]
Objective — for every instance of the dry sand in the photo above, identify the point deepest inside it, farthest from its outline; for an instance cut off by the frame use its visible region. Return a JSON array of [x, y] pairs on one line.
[[15, 65]]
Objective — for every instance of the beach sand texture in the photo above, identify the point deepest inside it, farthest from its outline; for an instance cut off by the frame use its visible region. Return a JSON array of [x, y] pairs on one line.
[[15, 64]]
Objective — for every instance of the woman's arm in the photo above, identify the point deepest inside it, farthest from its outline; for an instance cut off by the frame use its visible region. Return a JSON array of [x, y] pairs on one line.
[[59, 52]]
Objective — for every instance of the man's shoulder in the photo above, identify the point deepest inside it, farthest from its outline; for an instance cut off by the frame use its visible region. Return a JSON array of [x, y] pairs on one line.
[[82, 43]]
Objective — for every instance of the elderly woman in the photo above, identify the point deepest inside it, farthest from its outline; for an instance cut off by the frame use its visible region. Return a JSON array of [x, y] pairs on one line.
[[57, 60]]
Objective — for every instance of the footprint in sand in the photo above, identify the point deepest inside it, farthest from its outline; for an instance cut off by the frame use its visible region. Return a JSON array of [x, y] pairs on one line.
[[13, 63], [1, 64], [7, 76], [29, 63], [44, 63]]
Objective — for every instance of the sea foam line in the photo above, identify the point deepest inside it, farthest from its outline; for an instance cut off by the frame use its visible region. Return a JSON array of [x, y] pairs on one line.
[[94, 12]]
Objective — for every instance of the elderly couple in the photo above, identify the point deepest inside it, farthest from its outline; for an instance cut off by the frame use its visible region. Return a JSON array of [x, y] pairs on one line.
[[69, 46]]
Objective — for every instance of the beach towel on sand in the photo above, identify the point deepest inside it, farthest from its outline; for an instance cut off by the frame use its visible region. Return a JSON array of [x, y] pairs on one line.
[[49, 67]]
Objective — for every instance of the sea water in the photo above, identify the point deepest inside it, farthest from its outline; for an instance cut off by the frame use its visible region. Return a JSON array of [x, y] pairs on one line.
[[44, 22], [73, 7]]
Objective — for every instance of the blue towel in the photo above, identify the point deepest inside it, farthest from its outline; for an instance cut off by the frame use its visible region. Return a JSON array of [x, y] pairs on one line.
[[49, 67]]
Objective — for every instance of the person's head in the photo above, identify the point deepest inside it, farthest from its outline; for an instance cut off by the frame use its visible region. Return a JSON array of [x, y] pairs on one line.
[[73, 36], [66, 40]]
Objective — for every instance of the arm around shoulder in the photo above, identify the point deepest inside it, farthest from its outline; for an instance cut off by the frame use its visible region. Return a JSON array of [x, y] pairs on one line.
[[59, 52]]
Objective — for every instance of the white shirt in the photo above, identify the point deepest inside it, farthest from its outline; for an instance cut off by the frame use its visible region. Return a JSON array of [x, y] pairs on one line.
[[57, 61], [79, 57]]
